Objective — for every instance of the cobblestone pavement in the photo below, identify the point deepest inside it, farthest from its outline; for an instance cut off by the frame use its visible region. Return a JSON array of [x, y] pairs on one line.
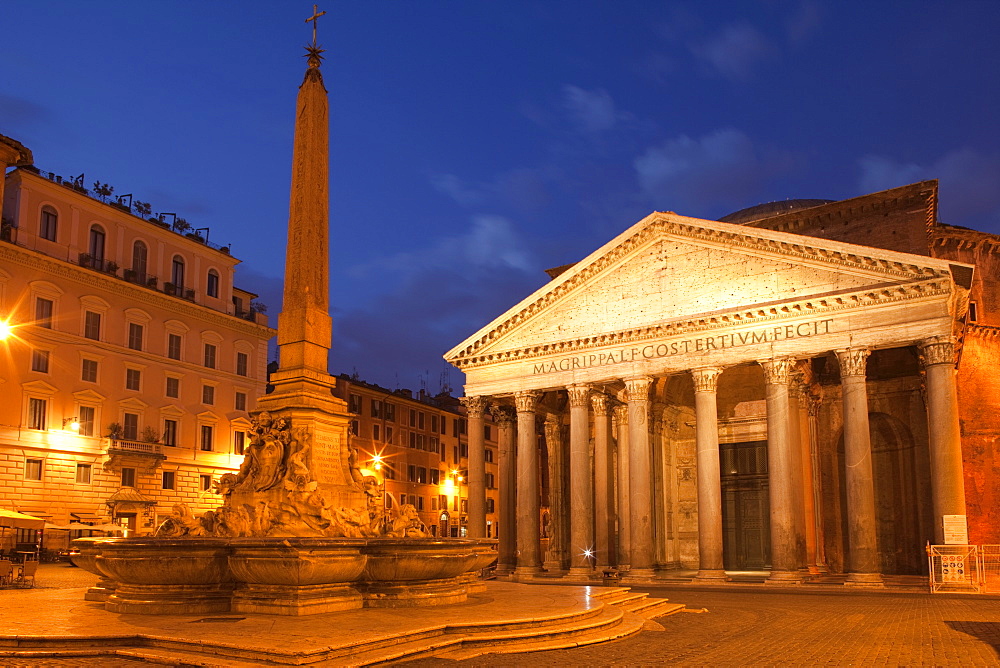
[[775, 628], [742, 626]]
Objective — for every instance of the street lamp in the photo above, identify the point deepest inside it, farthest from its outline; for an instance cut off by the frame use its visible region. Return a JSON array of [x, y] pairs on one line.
[[6, 329], [73, 422]]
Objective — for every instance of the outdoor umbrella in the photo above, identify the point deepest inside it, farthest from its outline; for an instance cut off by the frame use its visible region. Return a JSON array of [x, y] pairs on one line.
[[10, 519]]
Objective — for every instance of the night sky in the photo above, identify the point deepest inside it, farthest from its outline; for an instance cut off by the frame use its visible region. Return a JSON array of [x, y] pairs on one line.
[[476, 143]]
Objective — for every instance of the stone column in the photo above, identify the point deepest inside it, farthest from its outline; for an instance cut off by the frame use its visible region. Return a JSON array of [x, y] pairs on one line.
[[798, 470], [503, 417], [944, 435], [604, 482], [623, 514], [475, 411], [706, 414], [641, 478], [819, 558], [528, 547], [863, 562], [784, 539], [557, 530], [581, 483], [802, 402]]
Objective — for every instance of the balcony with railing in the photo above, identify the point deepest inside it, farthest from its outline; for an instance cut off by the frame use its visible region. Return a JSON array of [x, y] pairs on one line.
[[122, 446]]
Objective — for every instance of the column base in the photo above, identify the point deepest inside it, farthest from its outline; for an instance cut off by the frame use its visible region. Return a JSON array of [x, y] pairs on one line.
[[711, 576], [580, 572], [504, 569], [872, 580], [639, 575], [784, 578], [818, 569], [525, 573]]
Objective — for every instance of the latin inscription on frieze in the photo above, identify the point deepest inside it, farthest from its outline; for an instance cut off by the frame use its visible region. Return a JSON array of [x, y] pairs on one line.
[[686, 346]]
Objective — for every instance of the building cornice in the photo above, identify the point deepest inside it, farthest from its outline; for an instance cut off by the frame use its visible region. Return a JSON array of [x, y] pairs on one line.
[[134, 293]]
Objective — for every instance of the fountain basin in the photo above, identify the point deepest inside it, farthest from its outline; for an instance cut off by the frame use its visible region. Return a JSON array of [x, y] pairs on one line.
[[284, 576], [166, 576]]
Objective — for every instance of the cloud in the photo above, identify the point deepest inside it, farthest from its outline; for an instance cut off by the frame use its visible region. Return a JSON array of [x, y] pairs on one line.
[[17, 111], [724, 167], [970, 183], [804, 22], [736, 51], [433, 299], [455, 188], [592, 111], [489, 242]]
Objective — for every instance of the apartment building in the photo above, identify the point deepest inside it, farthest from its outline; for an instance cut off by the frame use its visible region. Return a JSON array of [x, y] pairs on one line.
[[421, 446], [128, 358]]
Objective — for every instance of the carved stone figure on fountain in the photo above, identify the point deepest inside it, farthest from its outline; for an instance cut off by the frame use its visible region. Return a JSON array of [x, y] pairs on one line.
[[264, 463]]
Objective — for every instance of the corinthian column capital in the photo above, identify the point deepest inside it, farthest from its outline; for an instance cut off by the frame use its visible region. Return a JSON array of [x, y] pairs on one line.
[[600, 403], [503, 416], [526, 400], [706, 379], [777, 371], [853, 361], [638, 388], [938, 350], [475, 406], [578, 395], [621, 414]]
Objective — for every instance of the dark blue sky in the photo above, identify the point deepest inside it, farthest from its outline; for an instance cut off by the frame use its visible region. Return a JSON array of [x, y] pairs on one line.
[[476, 143]]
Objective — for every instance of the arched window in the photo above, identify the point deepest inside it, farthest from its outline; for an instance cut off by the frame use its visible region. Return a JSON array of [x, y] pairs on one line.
[[48, 224], [97, 244], [212, 286], [140, 253], [177, 273]]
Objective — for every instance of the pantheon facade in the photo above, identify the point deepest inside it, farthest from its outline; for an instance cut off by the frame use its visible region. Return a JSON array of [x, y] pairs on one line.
[[804, 388]]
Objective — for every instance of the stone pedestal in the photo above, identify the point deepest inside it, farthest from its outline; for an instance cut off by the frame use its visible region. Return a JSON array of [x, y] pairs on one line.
[[295, 600]]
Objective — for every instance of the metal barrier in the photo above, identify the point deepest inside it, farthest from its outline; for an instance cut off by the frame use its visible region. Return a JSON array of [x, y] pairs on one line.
[[955, 568], [990, 560]]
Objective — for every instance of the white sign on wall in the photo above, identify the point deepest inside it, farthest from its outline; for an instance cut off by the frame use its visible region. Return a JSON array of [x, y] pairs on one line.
[[956, 530]]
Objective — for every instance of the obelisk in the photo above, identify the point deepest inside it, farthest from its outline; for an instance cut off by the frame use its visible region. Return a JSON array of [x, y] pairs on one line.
[[302, 385]]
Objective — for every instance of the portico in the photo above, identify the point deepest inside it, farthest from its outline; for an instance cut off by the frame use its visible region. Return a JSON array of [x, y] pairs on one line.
[[680, 344]]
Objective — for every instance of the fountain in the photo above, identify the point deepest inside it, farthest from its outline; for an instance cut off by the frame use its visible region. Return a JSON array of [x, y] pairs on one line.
[[302, 529]]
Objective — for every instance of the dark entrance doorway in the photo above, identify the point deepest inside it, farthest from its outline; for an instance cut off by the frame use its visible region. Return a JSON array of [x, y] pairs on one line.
[[746, 526]]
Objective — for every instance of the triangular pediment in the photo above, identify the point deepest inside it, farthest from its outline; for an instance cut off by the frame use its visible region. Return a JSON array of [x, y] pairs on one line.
[[670, 271]]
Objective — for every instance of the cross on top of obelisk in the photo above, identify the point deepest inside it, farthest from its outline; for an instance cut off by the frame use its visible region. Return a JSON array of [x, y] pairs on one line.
[[315, 19], [313, 51]]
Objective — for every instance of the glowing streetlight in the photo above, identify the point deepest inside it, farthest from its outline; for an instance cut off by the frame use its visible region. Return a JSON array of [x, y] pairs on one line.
[[6, 329], [72, 422]]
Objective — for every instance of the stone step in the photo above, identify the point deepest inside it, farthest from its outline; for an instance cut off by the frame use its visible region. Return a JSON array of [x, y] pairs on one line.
[[655, 607], [625, 600], [628, 625], [610, 594]]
